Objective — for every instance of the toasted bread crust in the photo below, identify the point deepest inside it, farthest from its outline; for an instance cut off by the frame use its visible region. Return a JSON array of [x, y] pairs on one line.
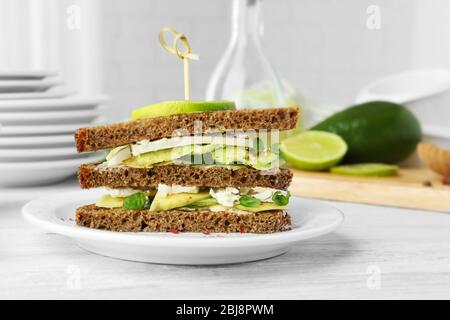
[[119, 219], [90, 176], [103, 137]]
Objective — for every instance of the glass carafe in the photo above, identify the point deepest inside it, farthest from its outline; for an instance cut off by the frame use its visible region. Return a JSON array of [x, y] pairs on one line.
[[244, 74]]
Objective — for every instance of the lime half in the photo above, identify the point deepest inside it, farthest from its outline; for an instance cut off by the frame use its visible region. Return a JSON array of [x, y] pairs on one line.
[[168, 108], [367, 169], [313, 150]]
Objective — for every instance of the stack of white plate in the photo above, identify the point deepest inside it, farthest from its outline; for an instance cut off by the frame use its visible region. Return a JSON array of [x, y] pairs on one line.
[[37, 125]]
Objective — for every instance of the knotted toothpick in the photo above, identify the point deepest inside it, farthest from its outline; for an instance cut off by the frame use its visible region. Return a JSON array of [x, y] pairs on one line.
[[185, 55]]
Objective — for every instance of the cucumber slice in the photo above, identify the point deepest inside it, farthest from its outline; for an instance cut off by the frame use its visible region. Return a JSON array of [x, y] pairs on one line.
[[108, 201], [264, 206], [169, 108], [147, 160], [203, 203], [176, 200], [367, 169]]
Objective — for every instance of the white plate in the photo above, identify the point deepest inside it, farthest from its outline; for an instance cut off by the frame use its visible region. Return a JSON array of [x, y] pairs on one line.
[[37, 153], [49, 117], [55, 213], [69, 103], [51, 94], [37, 141], [26, 74], [37, 129], [15, 174], [9, 86]]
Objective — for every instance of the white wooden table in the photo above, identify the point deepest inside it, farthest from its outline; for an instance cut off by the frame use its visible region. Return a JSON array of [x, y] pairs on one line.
[[379, 252]]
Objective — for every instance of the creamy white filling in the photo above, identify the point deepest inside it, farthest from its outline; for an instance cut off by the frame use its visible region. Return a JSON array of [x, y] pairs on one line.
[[164, 190], [226, 197], [218, 208], [121, 193], [117, 155], [267, 194], [145, 146]]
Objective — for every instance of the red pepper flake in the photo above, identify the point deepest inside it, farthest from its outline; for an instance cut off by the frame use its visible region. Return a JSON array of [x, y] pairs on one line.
[[446, 180], [174, 231], [206, 232], [242, 231]]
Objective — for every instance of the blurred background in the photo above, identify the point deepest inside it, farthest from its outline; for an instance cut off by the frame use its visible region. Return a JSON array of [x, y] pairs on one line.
[[324, 49]]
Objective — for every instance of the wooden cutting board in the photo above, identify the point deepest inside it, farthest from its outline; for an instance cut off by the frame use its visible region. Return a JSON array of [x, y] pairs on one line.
[[410, 189]]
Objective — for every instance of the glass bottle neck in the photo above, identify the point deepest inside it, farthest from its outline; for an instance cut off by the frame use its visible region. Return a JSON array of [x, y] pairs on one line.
[[246, 21]]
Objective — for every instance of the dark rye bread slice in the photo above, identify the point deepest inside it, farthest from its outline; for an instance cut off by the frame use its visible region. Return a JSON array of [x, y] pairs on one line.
[[114, 135], [186, 175], [119, 219]]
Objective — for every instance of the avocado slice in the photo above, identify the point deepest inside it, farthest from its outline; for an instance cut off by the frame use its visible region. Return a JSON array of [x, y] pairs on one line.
[[203, 203], [176, 200], [230, 155], [107, 201], [147, 160], [264, 161], [264, 206]]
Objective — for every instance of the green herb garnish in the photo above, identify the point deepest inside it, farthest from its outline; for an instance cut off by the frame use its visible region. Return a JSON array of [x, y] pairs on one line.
[[136, 201], [280, 199], [249, 201]]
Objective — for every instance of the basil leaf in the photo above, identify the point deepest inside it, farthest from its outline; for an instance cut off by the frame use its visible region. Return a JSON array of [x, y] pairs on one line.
[[136, 201], [249, 201], [280, 199]]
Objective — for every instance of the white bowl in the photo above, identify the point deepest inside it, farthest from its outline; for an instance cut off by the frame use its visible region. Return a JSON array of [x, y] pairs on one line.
[[426, 92]]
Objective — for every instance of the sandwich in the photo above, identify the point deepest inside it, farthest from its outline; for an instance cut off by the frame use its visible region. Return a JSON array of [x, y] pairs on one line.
[[189, 167]]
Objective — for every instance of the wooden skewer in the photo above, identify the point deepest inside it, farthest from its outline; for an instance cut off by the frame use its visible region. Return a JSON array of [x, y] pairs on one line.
[[185, 55]]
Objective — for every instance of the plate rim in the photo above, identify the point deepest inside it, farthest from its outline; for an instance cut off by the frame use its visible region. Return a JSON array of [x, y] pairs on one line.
[[58, 139], [40, 129], [68, 101], [43, 164], [28, 73], [45, 151], [170, 240], [48, 115], [30, 83]]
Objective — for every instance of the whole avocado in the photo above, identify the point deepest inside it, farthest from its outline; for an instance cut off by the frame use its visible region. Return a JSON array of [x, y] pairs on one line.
[[377, 131]]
